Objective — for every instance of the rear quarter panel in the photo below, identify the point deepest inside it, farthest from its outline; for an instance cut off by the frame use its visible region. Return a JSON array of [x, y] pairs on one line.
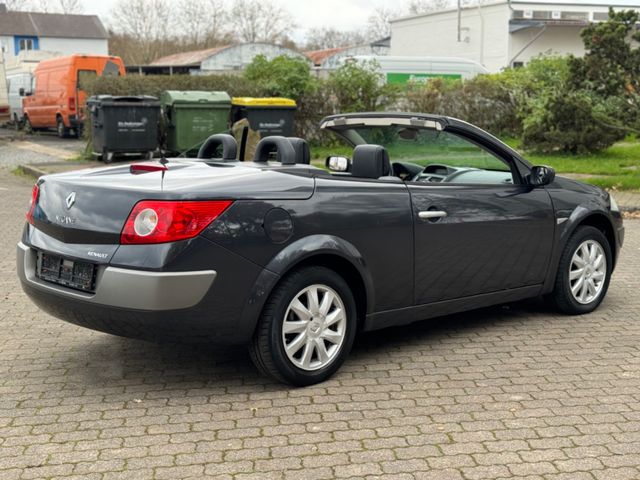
[[373, 217]]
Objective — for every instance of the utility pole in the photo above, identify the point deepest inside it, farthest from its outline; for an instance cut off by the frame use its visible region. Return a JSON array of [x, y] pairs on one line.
[[459, 21]]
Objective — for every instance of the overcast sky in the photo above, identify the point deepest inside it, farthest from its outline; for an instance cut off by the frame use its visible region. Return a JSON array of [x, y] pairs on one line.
[[342, 14]]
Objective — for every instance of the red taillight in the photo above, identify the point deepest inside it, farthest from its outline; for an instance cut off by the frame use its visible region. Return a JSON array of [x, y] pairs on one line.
[[35, 193], [160, 221], [136, 168], [72, 103]]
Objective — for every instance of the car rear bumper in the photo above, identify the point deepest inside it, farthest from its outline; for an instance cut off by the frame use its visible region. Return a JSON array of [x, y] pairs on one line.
[[126, 288], [187, 307]]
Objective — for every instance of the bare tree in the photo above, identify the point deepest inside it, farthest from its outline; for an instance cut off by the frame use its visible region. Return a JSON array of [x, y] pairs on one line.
[[70, 6], [203, 23], [145, 22], [259, 21], [47, 6], [417, 7], [19, 5], [329, 37], [378, 24]]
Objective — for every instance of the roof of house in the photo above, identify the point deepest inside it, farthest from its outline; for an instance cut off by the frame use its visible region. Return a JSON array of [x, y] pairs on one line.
[[195, 57], [319, 56], [51, 25], [557, 4]]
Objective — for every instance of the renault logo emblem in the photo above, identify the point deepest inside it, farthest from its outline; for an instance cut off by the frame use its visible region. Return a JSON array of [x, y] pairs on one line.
[[70, 200]]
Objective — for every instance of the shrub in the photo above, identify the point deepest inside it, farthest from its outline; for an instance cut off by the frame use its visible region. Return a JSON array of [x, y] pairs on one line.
[[570, 121], [484, 101], [283, 76], [360, 87], [153, 85]]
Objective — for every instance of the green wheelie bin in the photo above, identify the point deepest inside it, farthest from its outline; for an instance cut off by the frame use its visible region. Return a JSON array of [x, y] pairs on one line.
[[190, 117]]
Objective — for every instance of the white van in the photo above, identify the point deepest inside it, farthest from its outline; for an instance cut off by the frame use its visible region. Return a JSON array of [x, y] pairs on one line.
[[4, 100], [403, 69], [19, 73], [15, 82]]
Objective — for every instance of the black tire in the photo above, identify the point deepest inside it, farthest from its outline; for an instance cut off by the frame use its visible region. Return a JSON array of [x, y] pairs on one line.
[[267, 347], [562, 295], [28, 128], [61, 129]]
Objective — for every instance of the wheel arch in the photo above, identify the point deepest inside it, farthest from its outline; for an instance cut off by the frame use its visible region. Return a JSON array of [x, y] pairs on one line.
[[324, 250], [580, 217], [602, 223]]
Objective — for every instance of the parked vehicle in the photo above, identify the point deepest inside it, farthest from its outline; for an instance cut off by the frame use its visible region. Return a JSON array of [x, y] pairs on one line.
[[56, 99], [15, 84], [4, 99], [19, 74], [429, 216], [402, 70]]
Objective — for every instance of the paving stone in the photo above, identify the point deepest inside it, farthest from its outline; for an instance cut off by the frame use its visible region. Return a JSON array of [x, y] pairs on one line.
[[504, 392]]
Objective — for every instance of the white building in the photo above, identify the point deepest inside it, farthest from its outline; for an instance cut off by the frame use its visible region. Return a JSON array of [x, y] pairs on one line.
[[501, 34], [223, 59], [54, 32]]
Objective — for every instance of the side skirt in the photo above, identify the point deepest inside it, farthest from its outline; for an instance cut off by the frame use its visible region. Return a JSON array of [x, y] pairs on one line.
[[404, 316]]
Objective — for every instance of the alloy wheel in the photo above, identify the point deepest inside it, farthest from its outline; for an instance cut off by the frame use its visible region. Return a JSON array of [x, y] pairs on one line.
[[314, 327], [587, 272]]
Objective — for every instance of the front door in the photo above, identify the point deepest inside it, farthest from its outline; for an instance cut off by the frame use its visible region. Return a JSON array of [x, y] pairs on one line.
[[477, 229]]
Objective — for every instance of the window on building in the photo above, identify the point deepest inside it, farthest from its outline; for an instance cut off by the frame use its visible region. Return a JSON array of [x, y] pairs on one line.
[[575, 16], [26, 44], [600, 16]]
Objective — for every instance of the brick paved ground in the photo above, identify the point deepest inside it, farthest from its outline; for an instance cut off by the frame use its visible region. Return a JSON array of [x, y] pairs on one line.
[[502, 393]]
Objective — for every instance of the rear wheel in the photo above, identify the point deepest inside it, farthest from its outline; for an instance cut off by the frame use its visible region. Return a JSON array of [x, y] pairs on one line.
[[61, 129], [28, 128], [307, 327], [584, 272]]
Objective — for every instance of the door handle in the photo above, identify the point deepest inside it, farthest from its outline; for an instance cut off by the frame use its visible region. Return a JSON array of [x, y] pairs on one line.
[[430, 214]]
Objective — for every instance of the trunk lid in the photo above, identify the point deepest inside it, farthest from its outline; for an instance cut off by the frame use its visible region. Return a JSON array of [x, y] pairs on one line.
[[91, 206]]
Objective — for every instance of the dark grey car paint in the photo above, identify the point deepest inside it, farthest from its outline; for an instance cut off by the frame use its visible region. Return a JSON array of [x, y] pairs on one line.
[[497, 243]]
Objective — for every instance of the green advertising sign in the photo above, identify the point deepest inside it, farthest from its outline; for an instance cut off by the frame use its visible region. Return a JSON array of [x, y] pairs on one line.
[[403, 78]]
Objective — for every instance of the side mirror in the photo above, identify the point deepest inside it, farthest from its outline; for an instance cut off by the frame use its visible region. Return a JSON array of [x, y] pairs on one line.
[[541, 175], [337, 164], [21, 92]]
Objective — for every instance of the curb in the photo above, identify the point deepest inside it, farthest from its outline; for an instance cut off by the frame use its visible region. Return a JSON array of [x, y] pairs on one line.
[[31, 170]]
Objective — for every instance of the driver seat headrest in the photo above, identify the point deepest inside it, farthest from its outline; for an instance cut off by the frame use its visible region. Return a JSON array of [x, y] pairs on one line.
[[370, 161]]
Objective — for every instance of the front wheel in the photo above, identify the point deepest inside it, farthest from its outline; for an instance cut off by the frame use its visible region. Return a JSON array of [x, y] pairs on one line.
[[584, 272], [307, 327], [28, 128]]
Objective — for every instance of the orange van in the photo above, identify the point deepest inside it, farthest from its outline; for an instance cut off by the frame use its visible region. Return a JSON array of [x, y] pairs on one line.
[[55, 99]]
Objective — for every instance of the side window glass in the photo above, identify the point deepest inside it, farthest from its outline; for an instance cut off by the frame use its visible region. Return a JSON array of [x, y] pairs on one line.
[[85, 77], [449, 158]]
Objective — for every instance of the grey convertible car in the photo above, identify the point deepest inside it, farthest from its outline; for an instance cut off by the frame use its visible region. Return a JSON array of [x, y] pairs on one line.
[[427, 216]]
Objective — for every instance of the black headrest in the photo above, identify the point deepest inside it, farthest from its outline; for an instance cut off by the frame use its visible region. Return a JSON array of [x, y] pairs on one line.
[[300, 145], [285, 153], [211, 144], [370, 161]]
